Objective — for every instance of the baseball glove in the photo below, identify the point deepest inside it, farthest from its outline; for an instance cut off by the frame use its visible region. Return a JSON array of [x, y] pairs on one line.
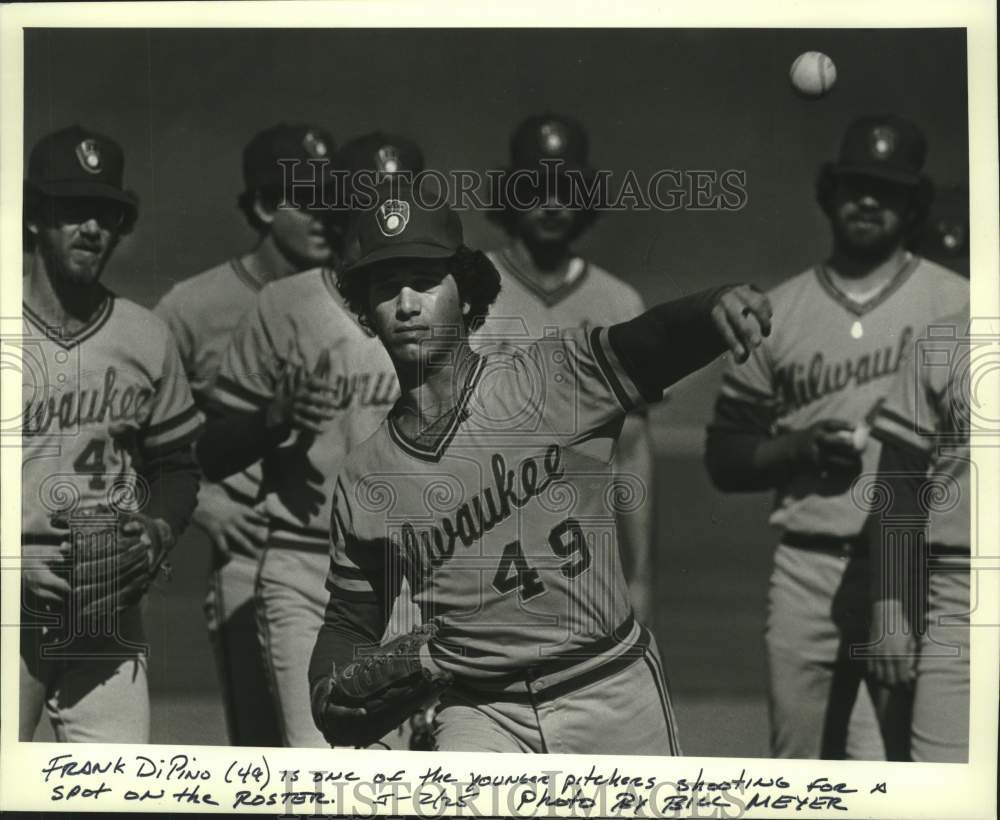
[[115, 557], [371, 696]]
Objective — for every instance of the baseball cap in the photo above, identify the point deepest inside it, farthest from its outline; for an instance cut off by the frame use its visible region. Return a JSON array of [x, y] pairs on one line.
[[400, 226], [261, 168], [549, 136], [78, 162], [885, 146], [381, 152]]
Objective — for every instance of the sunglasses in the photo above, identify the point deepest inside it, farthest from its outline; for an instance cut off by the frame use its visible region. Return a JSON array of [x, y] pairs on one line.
[[110, 215]]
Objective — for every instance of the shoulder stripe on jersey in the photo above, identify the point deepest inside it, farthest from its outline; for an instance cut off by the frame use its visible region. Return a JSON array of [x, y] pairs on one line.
[[228, 392], [169, 424], [734, 388], [890, 434], [178, 441], [182, 425], [344, 594], [614, 374], [861, 308], [30, 540], [88, 330], [891, 415], [442, 442], [341, 495], [549, 297], [349, 571], [887, 427]]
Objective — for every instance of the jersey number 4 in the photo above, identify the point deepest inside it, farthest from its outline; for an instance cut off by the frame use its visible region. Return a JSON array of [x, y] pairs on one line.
[[91, 460], [514, 572]]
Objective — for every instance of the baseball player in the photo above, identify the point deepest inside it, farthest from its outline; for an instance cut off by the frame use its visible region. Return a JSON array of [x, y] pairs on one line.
[[545, 286], [919, 658], [203, 311], [108, 480], [790, 420], [300, 384], [486, 489]]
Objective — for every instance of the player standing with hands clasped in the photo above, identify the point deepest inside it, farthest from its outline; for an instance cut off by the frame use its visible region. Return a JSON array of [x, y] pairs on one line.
[[203, 311], [486, 489], [792, 419], [108, 479], [300, 384]]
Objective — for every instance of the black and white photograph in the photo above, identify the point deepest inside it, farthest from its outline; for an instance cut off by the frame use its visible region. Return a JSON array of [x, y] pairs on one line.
[[393, 389]]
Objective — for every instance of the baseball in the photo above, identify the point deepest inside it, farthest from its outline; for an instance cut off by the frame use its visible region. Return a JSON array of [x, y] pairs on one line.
[[857, 438], [813, 74]]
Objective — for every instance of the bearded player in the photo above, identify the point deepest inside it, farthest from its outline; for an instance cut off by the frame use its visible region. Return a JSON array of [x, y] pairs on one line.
[[918, 660], [545, 286], [300, 384], [487, 490], [202, 312], [108, 480], [792, 418]]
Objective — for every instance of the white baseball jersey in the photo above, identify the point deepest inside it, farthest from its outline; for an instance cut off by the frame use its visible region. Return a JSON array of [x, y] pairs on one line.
[[96, 405], [501, 519], [302, 322], [829, 357]]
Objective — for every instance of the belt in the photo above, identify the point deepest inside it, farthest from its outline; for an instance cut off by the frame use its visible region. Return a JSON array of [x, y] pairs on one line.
[[277, 539], [846, 545], [563, 674]]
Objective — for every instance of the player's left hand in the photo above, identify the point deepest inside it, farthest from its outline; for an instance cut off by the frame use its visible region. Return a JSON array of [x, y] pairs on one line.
[[742, 315], [894, 652]]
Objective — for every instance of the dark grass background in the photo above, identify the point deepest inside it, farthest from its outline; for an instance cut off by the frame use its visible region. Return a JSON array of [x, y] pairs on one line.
[[184, 102]]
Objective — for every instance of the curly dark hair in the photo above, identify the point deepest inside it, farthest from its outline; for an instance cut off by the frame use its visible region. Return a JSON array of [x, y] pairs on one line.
[[477, 278]]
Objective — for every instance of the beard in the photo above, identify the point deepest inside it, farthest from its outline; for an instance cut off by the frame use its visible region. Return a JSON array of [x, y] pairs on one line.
[[867, 245], [79, 264]]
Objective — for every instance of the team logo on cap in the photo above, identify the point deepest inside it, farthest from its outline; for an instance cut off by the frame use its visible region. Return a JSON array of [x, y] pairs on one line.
[[553, 137], [387, 159], [883, 142], [314, 145], [89, 156], [393, 216]]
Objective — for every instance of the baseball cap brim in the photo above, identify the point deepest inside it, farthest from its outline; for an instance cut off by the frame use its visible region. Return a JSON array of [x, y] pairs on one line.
[[404, 250], [887, 173], [85, 188]]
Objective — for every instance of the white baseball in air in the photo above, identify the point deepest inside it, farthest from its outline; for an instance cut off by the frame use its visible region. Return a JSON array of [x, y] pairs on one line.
[[813, 74]]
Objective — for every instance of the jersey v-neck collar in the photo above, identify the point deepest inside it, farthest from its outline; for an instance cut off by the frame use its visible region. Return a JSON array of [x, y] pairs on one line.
[[439, 441], [549, 297], [56, 335], [244, 275], [861, 308]]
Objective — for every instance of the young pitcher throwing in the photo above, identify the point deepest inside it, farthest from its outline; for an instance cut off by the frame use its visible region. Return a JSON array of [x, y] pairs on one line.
[[489, 488]]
